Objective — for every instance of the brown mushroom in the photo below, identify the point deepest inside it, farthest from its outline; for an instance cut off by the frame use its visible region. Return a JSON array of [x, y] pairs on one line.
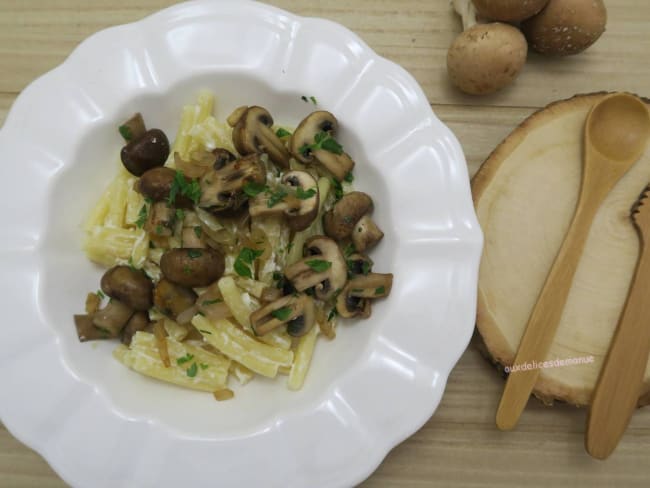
[[138, 321], [314, 141], [566, 27], [252, 134], [148, 151], [113, 317], [349, 218], [157, 184], [299, 203], [508, 10], [172, 299], [354, 299], [160, 220], [359, 264], [192, 267], [297, 312], [224, 188], [323, 268], [133, 128], [130, 286], [485, 57]]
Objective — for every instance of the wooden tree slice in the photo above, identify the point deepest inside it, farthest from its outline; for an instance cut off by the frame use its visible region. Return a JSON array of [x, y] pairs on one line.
[[525, 195]]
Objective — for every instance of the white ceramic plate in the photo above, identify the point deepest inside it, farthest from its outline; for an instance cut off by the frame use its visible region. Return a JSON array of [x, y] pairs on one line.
[[101, 425]]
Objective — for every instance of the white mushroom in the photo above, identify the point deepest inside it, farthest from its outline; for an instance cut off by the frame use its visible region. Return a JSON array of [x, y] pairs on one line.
[[485, 57]]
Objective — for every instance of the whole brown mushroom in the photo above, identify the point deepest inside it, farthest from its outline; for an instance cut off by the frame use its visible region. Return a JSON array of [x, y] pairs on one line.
[[566, 27], [508, 10], [485, 57]]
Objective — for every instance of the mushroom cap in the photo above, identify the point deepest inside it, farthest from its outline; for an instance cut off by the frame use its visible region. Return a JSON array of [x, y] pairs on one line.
[[129, 286], [508, 10], [252, 134], [302, 217], [305, 133], [340, 220], [486, 57], [172, 299], [148, 151], [566, 27], [366, 234], [192, 267]]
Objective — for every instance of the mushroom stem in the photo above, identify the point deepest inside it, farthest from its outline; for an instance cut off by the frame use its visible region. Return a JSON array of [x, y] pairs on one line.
[[467, 12]]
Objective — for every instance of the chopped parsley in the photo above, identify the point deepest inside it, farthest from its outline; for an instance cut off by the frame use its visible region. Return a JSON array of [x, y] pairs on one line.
[[338, 189], [304, 99], [198, 231], [380, 290], [322, 140], [194, 253], [205, 331], [349, 250], [206, 303], [305, 194], [159, 229], [125, 132], [142, 217], [187, 270], [185, 359], [313, 100], [331, 315], [253, 188], [204, 366], [192, 370], [276, 197], [319, 265], [180, 186], [100, 294], [349, 177], [282, 314], [365, 268], [180, 214], [282, 132], [245, 260]]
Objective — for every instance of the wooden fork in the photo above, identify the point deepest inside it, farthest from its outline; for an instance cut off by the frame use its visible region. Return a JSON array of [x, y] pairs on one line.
[[618, 387]]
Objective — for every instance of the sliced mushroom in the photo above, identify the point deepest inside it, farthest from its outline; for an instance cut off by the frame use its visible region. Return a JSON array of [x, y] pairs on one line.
[[252, 134], [133, 128], [323, 268], [113, 317], [331, 156], [160, 221], [354, 299], [223, 188], [359, 264], [192, 267], [148, 151], [300, 207], [129, 286], [171, 299], [297, 312], [349, 218], [86, 330], [138, 321]]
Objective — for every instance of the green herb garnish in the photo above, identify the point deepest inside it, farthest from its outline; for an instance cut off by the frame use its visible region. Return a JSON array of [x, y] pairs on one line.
[[192, 370], [282, 132], [125, 132], [205, 331], [282, 314], [304, 99], [253, 188], [185, 359], [142, 217], [198, 231], [180, 214], [322, 140], [349, 250], [159, 229], [194, 253], [276, 197], [313, 100], [187, 270], [245, 260], [338, 189], [349, 177], [206, 303], [380, 290], [131, 265], [365, 268], [100, 294], [180, 186], [204, 366], [331, 315], [305, 194], [319, 265]]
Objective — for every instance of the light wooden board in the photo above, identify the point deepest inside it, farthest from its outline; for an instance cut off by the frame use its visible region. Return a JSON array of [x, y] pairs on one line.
[[459, 445]]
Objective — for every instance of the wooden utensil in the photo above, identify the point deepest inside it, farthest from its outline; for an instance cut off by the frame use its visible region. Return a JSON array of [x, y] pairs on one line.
[[616, 132], [617, 391]]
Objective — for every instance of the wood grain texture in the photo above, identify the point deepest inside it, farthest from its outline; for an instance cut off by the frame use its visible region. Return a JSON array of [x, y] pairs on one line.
[[459, 445]]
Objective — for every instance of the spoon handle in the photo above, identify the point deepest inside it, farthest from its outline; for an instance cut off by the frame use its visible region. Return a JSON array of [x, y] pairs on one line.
[[617, 390], [545, 317]]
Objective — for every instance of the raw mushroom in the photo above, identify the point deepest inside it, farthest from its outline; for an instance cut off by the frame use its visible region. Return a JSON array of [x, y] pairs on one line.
[[130, 286], [566, 26], [508, 10], [485, 57], [252, 134], [354, 299], [192, 267], [331, 156], [223, 188], [172, 299], [349, 218], [323, 268], [145, 149], [297, 312], [299, 212]]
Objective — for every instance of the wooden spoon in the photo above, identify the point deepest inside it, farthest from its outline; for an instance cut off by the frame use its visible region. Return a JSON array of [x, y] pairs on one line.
[[616, 131], [617, 391]]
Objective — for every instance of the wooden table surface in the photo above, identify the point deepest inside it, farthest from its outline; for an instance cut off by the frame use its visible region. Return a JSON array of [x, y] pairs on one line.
[[459, 445]]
